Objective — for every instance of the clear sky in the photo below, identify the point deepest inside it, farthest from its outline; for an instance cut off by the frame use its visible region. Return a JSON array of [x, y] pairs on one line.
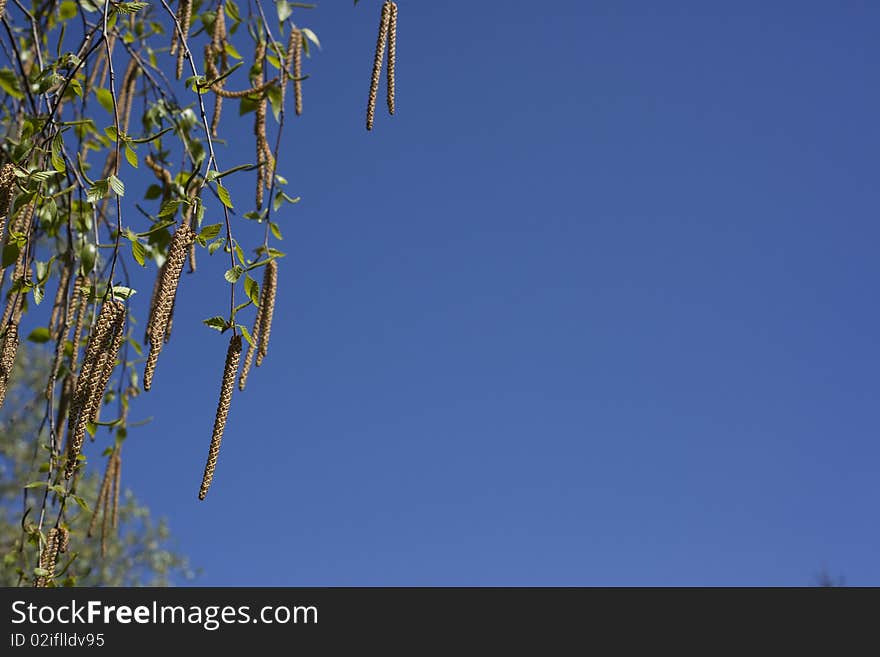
[[597, 307]]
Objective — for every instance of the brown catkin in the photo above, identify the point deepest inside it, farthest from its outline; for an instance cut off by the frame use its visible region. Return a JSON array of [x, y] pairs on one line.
[[81, 297], [184, 18], [155, 295], [98, 364], [56, 321], [170, 324], [63, 406], [158, 322], [117, 477], [7, 190], [7, 359], [2, 8], [297, 73], [105, 521], [190, 218], [230, 369], [127, 93], [260, 124], [48, 558], [252, 348], [377, 64], [267, 305], [392, 54], [22, 223], [63, 539], [64, 307], [103, 492], [253, 91]]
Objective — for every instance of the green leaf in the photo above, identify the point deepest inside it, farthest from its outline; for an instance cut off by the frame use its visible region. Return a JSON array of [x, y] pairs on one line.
[[88, 255], [82, 503], [232, 275], [276, 231], [105, 98], [216, 322], [311, 36], [231, 51], [123, 292], [169, 208], [67, 10], [223, 193], [9, 83], [210, 232], [213, 246], [252, 290], [131, 156], [246, 334], [99, 190], [273, 93], [153, 192], [41, 572], [130, 7], [232, 11], [57, 160], [36, 484], [38, 294], [116, 185], [139, 252], [246, 105], [240, 254], [10, 254], [284, 10]]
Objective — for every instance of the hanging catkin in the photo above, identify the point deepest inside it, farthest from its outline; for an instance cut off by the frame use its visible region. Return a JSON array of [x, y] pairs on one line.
[[293, 63], [7, 190], [252, 348], [184, 17], [103, 492], [63, 539], [7, 359], [392, 54], [158, 322], [230, 369], [267, 309], [48, 558], [127, 93], [56, 320], [81, 303], [377, 64], [64, 307], [117, 476], [98, 364], [217, 48], [21, 224], [2, 8], [260, 123], [155, 295]]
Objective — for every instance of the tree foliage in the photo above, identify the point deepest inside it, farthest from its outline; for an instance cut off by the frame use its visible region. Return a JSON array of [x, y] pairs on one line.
[[97, 96], [138, 552]]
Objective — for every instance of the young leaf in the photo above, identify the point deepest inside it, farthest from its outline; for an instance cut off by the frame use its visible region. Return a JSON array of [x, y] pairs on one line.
[[39, 335], [252, 289], [232, 275], [116, 185], [139, 252], [223, 193], [216, 322], [105, 98], [210, 232]]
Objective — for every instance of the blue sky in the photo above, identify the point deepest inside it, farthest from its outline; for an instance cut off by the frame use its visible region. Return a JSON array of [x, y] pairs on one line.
[[595, 308]]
